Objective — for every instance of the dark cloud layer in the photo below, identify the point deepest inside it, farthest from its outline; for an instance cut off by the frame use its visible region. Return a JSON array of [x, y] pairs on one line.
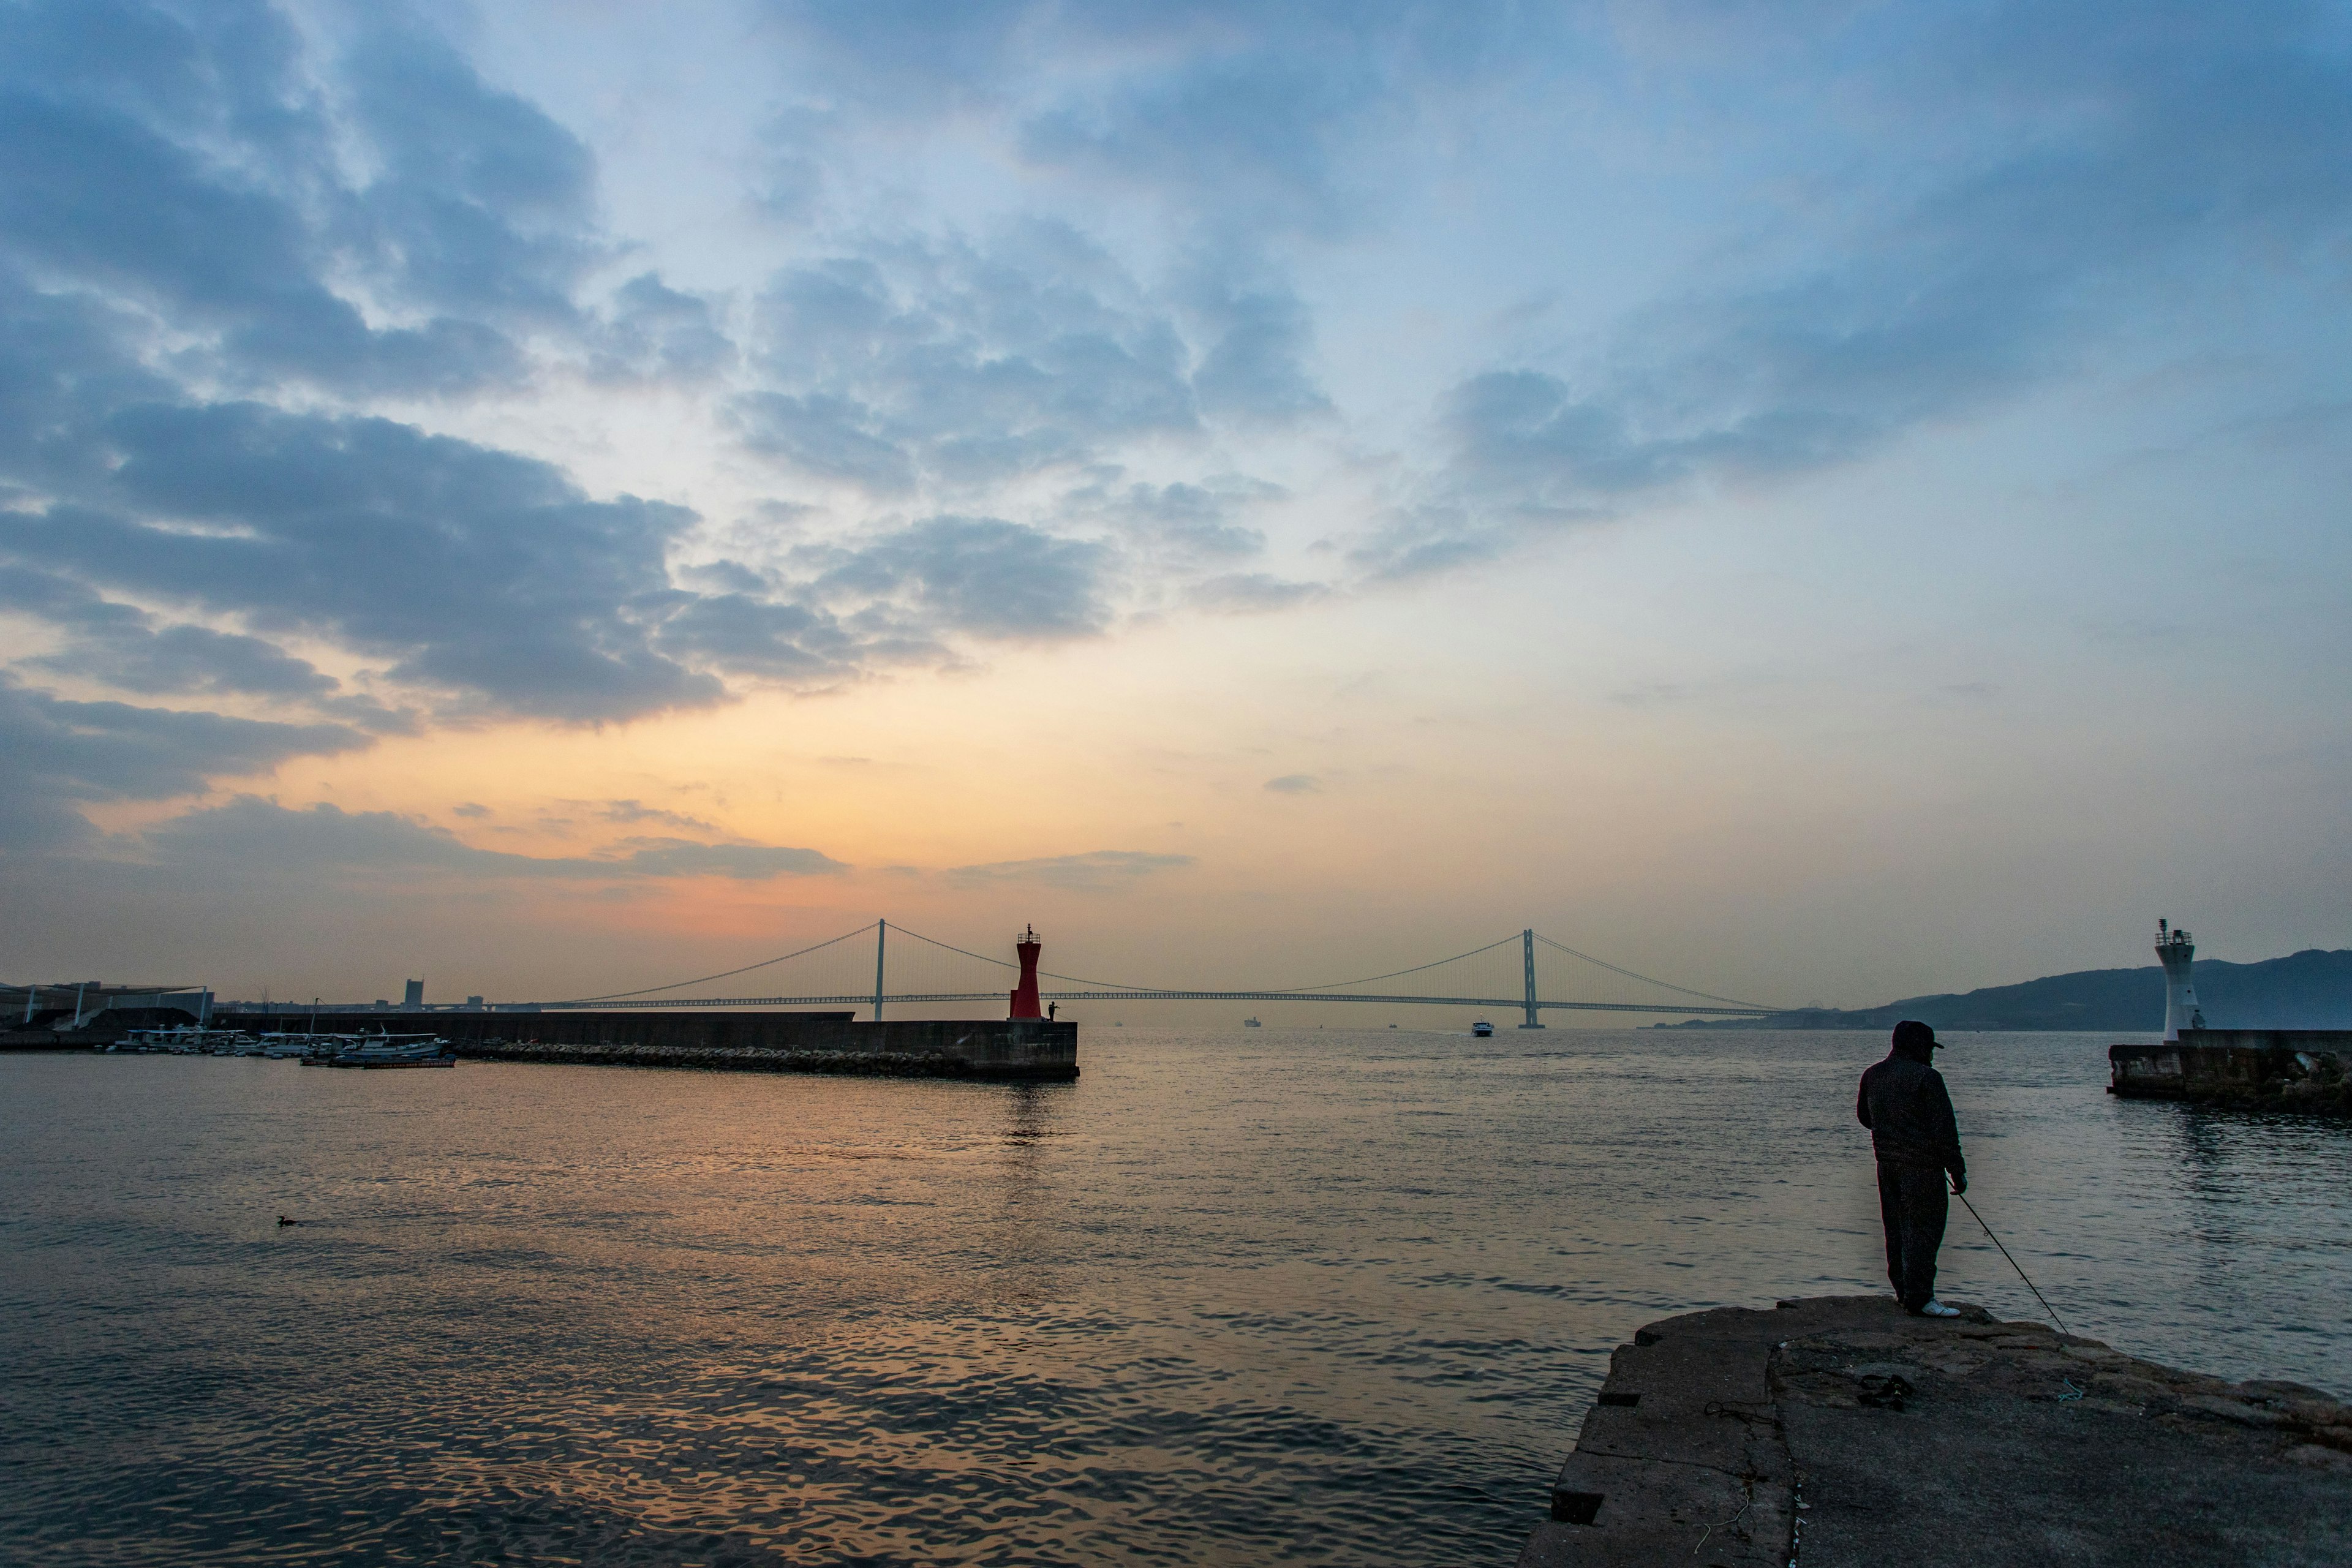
[[325, 838], [189, 166], [55, 755], [473, 572]]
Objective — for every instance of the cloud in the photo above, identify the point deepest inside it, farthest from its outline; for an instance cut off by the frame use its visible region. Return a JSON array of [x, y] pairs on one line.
[[482, 202], [1295, 784], [1251, 592], [1180, 522], [2148, 150], [980, 576], [1098, 871], [631, 811], [477, 573], [1249, 115], [1256, 368], [947, 364], [830, 437], [249, 831], [56, 755], [123, 646], [655, 331], [751, 634], [198, 171]]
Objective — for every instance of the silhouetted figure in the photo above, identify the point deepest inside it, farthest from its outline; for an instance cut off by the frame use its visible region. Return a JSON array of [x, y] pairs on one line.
[[1918, 1142], [1051, 1008]]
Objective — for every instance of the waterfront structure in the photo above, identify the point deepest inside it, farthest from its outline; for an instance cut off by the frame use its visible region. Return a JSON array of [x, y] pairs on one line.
[[2266, 1069], [1035, 1050], [1024, 995], [2176, 951]]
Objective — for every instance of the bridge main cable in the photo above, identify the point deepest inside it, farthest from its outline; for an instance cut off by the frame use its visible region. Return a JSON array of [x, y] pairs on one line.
[[1109, 990], [705, 980]]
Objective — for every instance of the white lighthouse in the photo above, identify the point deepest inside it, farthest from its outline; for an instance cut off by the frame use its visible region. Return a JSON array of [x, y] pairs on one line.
[[2174, 951]]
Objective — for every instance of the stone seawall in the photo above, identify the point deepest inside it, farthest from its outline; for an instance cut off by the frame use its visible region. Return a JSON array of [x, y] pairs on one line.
[[1024, 1048], [2301, 1070]]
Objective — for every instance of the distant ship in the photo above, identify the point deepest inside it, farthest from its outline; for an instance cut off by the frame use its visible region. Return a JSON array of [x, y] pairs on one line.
[[1251, 1023], [1482, 1028]]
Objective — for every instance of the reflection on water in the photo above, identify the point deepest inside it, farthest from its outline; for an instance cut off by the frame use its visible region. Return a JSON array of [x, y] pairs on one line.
[[1298, 1294]]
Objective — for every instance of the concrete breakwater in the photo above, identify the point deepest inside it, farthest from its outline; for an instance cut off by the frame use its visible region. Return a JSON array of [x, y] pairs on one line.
[[2302, 1071], [1010, 1048], [1840, 1432]]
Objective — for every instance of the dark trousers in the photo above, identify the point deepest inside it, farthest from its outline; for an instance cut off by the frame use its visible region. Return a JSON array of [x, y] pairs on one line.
[[1912, 1203]]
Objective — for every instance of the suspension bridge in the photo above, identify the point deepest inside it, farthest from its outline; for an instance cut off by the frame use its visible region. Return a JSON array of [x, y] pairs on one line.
[[913, 970]]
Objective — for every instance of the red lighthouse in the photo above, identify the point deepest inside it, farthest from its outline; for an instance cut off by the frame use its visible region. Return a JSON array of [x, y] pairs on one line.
[[1024, 995]]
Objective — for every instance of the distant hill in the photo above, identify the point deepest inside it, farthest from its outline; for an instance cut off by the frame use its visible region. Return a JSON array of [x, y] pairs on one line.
[[2307, 990]]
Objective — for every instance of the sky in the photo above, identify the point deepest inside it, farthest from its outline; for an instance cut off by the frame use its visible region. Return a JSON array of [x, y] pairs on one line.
[[1820, 502]]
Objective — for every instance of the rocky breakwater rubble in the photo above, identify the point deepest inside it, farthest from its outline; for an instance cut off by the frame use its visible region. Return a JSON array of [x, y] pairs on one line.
[[2300, 1072], [1842, 1432]]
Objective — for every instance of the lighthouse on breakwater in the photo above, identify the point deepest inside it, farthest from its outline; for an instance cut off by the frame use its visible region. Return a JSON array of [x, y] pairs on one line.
[[2174, 950], [1024, 995]]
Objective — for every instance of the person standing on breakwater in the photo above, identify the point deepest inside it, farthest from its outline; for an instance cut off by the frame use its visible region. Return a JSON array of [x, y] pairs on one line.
[[1917, 1141]]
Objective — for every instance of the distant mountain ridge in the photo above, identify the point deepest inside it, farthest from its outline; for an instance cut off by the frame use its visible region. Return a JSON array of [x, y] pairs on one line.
[[2306, 989]]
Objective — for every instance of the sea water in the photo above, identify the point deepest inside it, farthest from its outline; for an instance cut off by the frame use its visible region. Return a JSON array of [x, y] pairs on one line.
[[1234, 1296]]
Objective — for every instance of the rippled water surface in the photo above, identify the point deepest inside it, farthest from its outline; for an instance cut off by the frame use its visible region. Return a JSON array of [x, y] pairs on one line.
[[1256, 1296]]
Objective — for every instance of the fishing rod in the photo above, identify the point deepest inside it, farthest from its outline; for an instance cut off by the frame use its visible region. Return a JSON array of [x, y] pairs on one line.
[[2012, 1262]]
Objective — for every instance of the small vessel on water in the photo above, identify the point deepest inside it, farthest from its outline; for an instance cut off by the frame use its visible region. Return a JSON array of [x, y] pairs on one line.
[[1251, 1023], [380, 1050], [1482, 1028]]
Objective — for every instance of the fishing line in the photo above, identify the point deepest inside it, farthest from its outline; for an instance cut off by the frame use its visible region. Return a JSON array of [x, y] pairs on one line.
[[2014, 1263]]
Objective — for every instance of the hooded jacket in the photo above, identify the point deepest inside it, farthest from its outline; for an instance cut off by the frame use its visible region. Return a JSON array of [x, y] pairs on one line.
[[1909, 1113]]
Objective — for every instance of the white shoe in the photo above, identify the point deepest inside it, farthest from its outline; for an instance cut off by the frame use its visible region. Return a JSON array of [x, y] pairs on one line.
[[1937, 1309]]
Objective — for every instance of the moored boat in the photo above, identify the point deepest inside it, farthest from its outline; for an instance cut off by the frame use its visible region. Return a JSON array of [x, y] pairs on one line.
[[394, 1051]]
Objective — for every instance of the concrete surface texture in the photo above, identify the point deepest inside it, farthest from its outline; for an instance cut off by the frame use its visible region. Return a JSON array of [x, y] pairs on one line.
[[1842, 1432], [717, 1040]]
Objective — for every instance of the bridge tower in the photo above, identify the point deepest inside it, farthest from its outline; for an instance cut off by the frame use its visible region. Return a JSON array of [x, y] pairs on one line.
[[2174, 950], [1528, 953], [1024, 995]]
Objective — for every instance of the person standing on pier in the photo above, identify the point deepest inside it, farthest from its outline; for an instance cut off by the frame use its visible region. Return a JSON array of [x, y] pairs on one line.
[[1917, 1141]]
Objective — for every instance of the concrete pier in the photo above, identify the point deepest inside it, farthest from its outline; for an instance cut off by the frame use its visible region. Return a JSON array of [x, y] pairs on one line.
[[1013, 1049], [1842, 1432], [2301, 1070]]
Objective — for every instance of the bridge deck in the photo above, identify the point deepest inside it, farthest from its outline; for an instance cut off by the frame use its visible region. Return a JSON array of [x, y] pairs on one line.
[[1512, 1004]]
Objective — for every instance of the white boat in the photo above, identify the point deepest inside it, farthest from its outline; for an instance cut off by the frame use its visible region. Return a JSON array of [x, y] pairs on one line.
[[1482, 1028], [378, 1050], [394, 1051]]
